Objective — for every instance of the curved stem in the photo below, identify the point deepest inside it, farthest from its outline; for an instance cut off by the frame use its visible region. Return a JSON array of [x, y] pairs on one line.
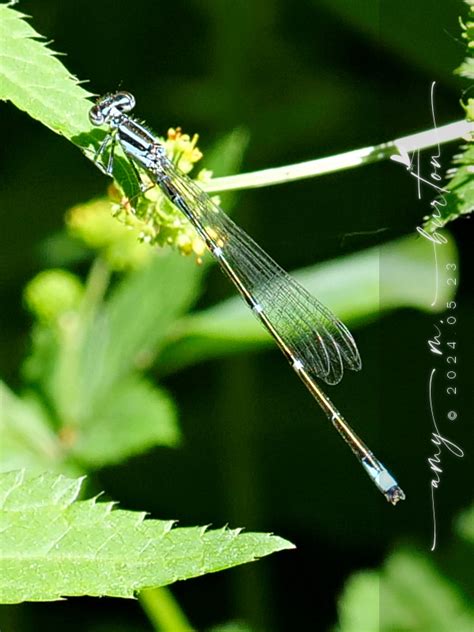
[[163, 610], [397, 150]]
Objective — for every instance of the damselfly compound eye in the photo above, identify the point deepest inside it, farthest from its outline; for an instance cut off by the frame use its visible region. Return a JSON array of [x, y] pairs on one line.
[[124, 101], [96, 115]]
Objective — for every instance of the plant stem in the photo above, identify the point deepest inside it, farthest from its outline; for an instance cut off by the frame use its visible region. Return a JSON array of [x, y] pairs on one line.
[[69, 403], [397, 150], [163, 610], [97, 284]]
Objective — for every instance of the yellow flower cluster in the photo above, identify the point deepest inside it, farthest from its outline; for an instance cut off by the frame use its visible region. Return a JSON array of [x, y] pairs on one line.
[[160, 222], [150, 219], [182, 149]]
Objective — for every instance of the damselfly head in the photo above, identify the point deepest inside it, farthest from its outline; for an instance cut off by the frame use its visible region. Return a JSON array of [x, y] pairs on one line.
[[110, 106]]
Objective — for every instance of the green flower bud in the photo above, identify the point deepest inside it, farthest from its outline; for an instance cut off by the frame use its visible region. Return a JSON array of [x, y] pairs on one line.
[[52, 293], [118, 242], [469, 107]]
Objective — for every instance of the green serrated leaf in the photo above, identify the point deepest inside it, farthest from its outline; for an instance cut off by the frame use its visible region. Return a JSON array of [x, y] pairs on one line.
[[33, 78], [36, 81], [55, 546], [357, 288], [133, 418], [408, 594]]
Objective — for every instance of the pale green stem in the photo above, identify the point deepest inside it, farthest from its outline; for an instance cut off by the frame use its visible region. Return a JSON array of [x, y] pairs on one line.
[[96, 286], [73, 338], [163, 611], [397, 150]]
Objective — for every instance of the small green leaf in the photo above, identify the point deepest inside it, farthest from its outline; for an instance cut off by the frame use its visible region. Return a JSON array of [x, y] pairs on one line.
[[359, 604], [26, 435], [133, 418], [465, 525], [40, 364], [232, 626], [408, 594], [358, 287], [460, 197], [466, 69], [55, 546], [130, 329], [226, 157]]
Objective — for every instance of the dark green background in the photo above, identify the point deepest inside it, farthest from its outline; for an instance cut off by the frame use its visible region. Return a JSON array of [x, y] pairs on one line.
[[306, 79]]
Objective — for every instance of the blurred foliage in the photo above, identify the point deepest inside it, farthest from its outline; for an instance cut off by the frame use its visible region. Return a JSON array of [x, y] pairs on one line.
[[53, 293], [88, 397], [409, 593], [465, 525]]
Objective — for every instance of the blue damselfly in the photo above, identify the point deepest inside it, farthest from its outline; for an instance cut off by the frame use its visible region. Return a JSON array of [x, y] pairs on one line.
[[314, 341]]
